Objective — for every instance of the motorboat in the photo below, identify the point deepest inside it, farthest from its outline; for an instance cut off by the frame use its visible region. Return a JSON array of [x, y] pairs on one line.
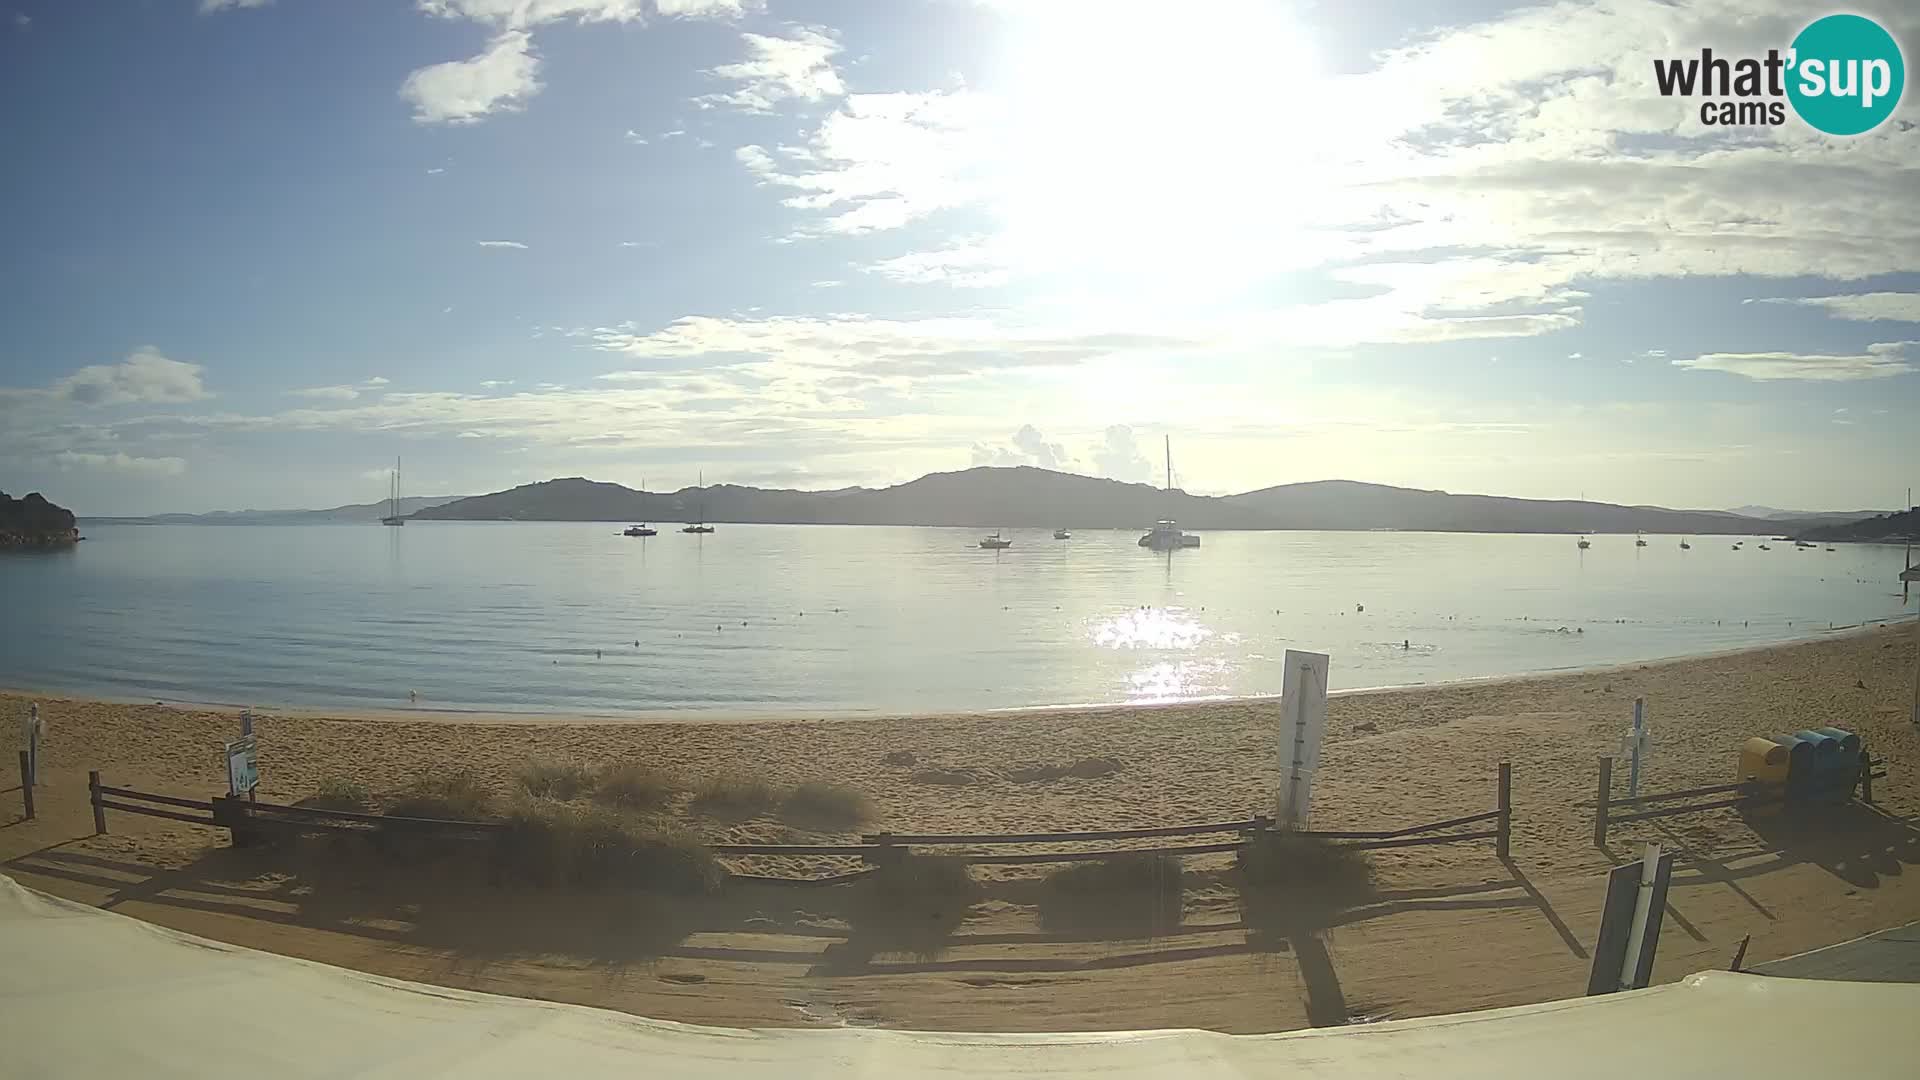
[[1684, 546], [697, 528], [1062, 534], [1585, 543], [995, 542]]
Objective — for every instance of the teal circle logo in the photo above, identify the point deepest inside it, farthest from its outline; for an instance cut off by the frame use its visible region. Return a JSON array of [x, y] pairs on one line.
[[1846, 74]]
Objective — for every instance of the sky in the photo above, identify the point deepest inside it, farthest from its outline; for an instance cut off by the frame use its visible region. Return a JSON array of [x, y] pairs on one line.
[[257, 249]]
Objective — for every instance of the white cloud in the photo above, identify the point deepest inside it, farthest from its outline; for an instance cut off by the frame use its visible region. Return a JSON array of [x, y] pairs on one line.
[[519, 14], [1860, 307], [376, 382], [704, 9], [1118, 456], [208, 7], [435, 172], [144, 376], [779, 69], [22, 20], [1027, 447], [635, 137], [1883, 360], [494, 384], [340, 392], [502, 244], [499, 79], [120, 462]]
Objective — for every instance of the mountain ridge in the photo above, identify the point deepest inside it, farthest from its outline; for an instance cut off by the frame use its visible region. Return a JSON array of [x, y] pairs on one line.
[[1029, 497]]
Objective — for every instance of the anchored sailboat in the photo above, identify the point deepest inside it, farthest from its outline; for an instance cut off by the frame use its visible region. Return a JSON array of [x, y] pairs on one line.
[[1165, 534], [393, 498], [699, 524]]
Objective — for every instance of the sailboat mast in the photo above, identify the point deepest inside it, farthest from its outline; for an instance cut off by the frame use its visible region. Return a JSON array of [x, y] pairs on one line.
[[1169, 439]]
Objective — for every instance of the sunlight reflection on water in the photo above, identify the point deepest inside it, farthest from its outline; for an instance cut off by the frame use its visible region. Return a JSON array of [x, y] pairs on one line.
[[1179, 680], [1150, 628]]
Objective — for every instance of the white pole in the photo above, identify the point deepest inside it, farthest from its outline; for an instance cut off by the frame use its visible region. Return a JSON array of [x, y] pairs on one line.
[[1642, 912], [1916, 673], [1639, 728]]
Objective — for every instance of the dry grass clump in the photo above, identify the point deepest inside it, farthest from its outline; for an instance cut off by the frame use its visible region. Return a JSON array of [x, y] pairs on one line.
[[826, 807], [551, 843], [733, 795], [634, 786], [1128, 895], [555, 780]]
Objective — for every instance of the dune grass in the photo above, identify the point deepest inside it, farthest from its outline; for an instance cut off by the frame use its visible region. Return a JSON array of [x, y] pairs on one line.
[[555, 780], [911, 904], [825, 807], [733, 795], [633, 786], [546, 842], [1290, 881], [1126, 895]]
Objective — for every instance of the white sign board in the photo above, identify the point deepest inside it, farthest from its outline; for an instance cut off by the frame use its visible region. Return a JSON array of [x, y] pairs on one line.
[[1303, 725], [243, 772]]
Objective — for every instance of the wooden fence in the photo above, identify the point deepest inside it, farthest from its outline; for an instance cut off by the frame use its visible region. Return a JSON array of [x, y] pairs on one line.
[[1740, 794], [247, 819]]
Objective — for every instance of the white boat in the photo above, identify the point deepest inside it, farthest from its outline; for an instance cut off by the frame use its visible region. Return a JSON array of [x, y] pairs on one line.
[[1062, 534], [1638, 540], [994, 542], [1684, 546], [1585, 543], [393, 498], [1165, 534], [640, 530]]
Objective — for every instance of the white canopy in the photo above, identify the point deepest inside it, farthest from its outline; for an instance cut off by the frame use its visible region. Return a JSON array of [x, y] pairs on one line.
[[88, 993]]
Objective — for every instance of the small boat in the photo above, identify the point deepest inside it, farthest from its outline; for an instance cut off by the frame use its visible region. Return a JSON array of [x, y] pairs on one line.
[[1684, 546], [1766, 547], [697, 528], [1829, 549], [1062, 534], [1802, 544], [640, 530], [1910, 574], [1638, 540], [392, 516], [1736, 547], [1585, 543], [995, 542]]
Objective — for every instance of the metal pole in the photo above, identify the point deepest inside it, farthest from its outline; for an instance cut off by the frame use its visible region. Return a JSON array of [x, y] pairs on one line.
[[1600, 802], [1916, 673], [33, 742], [1642, 910], [1639, 725], [26, 784]]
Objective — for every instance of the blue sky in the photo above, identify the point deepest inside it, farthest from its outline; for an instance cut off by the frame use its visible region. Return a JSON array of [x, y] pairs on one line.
[[257, 249]]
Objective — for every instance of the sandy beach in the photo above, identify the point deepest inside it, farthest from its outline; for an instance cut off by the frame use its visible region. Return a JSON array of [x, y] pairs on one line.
[[1452, 927]]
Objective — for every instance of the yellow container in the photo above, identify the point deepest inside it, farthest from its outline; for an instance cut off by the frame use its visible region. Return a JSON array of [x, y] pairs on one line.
[[1765, 762]]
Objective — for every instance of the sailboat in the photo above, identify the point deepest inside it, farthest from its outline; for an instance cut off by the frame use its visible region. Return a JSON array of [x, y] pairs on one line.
[[995, 542], [1165, 534], [642, 529], [1638, 540], [1684, 546], [700, 523], [1585, 543], [393, 498]]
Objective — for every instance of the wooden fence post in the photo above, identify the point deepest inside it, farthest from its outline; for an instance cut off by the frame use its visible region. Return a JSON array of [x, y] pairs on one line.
[[1605, 793], [93, 795], [26, 784], [1506, 810]]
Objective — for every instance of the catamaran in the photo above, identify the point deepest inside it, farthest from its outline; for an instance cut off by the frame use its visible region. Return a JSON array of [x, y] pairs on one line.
[[393, 498], [1165, 534]]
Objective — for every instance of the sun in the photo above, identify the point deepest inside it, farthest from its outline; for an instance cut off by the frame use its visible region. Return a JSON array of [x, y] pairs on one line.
[[1154, 139]]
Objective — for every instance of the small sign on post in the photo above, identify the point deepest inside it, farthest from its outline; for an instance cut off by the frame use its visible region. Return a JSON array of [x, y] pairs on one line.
[[243, 772], [1303, 725]]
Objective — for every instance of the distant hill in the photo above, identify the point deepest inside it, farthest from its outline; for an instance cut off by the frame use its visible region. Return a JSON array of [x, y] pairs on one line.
[[1028, 497], [1896, 526], [356, 514], [1774, 513], [33, 522]]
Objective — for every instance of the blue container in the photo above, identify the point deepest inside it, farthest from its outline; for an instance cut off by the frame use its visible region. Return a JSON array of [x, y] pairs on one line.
[[1849, 742], [1834, 770], [1800, 767]]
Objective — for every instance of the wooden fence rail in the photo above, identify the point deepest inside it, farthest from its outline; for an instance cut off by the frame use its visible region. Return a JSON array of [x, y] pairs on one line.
[[246, 818], [1745, 793]]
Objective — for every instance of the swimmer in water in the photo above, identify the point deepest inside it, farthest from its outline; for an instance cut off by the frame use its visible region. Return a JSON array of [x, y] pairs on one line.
[[413, 696], [1407, 644]]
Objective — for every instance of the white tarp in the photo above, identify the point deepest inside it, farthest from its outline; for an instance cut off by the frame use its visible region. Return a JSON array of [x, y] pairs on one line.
[[88, 993]]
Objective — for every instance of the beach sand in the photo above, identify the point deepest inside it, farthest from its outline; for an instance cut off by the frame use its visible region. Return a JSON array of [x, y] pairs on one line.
[[1452, 928]]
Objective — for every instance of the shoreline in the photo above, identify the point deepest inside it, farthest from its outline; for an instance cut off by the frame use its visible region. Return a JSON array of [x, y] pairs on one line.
[[496, 716]]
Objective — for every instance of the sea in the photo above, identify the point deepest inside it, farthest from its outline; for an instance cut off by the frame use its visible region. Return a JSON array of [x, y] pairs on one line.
[[752, 620]]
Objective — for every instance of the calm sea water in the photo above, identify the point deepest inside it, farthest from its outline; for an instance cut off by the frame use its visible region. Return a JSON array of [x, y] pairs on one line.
[[762, 618]]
